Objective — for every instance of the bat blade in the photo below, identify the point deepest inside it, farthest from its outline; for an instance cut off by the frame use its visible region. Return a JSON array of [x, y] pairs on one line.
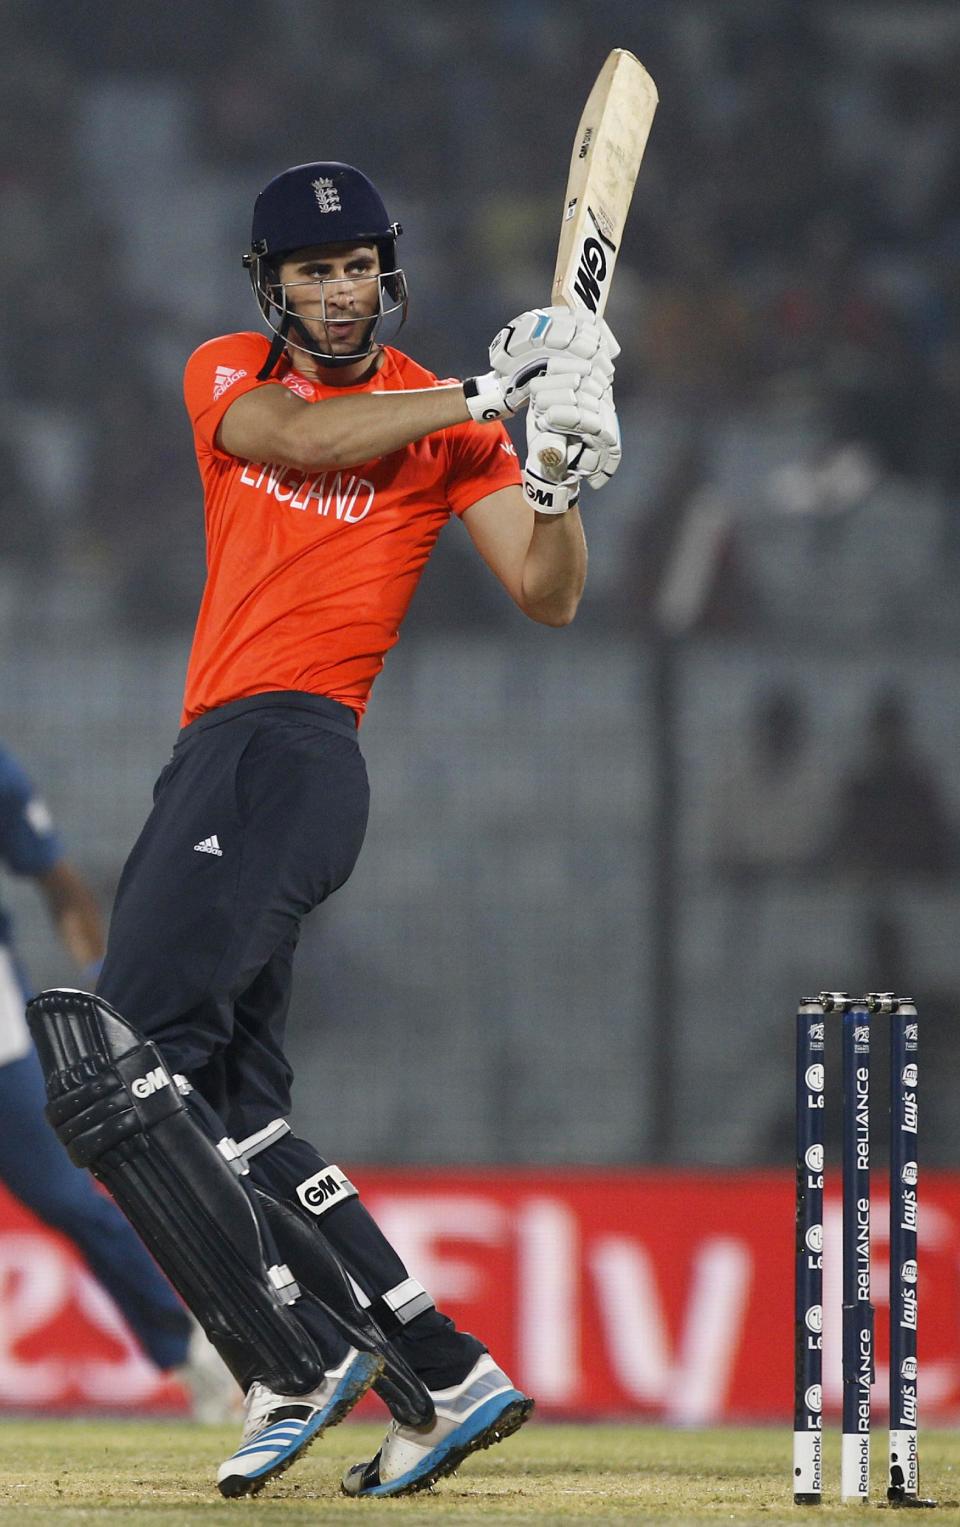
[[607, 153]]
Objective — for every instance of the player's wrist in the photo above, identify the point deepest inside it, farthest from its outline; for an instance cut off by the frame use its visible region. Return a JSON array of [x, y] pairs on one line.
[[550, 499], [484, 397]]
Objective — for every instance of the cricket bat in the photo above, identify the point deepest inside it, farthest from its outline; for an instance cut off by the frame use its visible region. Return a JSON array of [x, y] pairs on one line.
[[607, 153]]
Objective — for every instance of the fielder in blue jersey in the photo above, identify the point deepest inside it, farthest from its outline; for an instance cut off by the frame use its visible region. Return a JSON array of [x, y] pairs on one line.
[[33, 1164]]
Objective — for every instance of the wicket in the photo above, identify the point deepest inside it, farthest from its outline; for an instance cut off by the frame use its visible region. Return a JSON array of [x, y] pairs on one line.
[[856, 1015]]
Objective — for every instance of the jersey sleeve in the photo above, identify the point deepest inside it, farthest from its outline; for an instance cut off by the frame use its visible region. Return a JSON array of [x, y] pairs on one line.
[[29, 844], [482, 460], [216, 375]]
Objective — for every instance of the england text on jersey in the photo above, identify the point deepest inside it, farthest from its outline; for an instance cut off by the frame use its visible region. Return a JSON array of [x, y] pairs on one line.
[[309, 574]]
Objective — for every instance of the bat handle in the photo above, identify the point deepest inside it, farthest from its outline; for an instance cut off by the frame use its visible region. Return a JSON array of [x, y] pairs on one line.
[[552, 456]]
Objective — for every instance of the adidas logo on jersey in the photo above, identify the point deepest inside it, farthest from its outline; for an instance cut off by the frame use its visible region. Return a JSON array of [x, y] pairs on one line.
[[209, 846], [224, 377]]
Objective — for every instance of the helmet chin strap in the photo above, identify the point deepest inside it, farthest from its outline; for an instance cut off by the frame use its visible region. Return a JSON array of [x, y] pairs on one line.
[[277, 346]]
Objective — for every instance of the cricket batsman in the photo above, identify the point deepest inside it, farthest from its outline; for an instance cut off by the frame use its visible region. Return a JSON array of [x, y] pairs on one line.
[[330, 462]]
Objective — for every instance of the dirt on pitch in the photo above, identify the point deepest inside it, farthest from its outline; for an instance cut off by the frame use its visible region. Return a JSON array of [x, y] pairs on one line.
[[147, 1474]]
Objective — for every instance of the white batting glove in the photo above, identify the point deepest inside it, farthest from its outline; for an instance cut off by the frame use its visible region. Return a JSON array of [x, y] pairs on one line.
[[546, 496], [570, 404], [610, 347], [540, 488], [578, 436], [523, 349], [597, 457]]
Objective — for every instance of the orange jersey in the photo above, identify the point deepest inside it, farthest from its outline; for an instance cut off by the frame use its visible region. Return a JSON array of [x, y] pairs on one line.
[[309, 574]]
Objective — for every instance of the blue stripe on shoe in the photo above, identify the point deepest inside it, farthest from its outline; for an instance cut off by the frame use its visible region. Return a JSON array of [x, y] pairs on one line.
[[284, 1439], [278, 1435], [279, 1443], [464, 1434]]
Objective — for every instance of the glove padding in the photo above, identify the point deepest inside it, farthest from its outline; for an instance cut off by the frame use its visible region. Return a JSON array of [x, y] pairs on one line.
[[572, 439], [599, 454], [553, 338], [570, 404], [549, 332]]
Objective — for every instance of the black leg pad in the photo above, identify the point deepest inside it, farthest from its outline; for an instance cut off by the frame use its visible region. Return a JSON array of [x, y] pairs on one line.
[[117, 1110], [318, 1269]]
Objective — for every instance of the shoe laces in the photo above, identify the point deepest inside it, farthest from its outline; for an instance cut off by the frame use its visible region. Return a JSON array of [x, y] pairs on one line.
[[259, 1403]]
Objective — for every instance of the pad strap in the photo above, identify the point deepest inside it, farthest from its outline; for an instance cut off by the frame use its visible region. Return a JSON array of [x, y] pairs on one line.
[[318, 1268], [325, 1190], [398, 1306], [252, 1145]]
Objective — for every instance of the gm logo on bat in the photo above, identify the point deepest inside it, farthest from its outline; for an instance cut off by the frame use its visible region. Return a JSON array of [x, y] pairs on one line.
[[592, 268]]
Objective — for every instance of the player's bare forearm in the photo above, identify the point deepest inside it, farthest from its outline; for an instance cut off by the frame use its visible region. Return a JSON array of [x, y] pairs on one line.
[[74, 912], [271, 424], [555, 568], [541, 559]]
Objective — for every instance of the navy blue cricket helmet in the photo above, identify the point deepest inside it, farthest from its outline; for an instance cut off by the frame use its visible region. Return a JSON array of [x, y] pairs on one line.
[[314, 204]]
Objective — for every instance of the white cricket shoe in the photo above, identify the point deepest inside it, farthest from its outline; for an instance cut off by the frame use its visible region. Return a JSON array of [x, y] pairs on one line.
[[279, 1427], [472, 1415]]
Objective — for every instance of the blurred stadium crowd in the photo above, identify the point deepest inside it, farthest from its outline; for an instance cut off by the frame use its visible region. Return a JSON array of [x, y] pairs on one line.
[[755, 719]]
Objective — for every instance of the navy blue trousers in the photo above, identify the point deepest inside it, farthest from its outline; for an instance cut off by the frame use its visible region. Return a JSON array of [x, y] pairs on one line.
[[258, 817]]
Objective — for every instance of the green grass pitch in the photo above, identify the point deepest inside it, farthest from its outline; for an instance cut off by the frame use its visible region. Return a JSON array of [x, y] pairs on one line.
[[151, 1474]]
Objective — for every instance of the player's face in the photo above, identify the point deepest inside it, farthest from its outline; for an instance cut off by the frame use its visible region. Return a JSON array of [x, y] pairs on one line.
[[335, 289]]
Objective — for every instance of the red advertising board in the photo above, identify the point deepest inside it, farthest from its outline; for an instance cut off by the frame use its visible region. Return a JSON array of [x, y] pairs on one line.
[[662, 1295]]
